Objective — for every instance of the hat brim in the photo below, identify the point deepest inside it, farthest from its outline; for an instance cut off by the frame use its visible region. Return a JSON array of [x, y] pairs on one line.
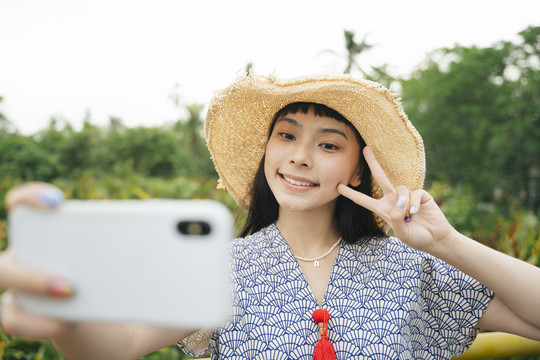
[[239, 117]]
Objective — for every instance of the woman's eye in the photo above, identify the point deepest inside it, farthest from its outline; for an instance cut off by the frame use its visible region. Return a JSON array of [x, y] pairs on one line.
[[286, 136], [329, 147]]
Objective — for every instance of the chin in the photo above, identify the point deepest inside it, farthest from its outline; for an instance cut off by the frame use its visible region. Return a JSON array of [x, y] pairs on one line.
[[296, 205], [292, 206]]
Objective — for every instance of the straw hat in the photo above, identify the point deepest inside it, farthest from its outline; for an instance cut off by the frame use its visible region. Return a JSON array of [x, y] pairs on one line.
[[239, 117]]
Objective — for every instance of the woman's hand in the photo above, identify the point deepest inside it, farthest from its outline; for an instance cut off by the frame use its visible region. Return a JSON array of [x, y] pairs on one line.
[[427, 228], [85, 340], [514, 308], [17, 278]]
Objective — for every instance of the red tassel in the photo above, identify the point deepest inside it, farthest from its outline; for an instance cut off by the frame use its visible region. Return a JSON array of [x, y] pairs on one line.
[[324, 349]]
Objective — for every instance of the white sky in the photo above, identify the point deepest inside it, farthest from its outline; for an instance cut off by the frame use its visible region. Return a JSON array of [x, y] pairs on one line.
[[123, 58]]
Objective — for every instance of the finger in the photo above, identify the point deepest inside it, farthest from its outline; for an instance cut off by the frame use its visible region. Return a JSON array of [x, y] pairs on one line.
[[399, 214], [37, 194], [377, 172], [16, 276], [358, 197], [402, 202], [15, 321], [416, 200]]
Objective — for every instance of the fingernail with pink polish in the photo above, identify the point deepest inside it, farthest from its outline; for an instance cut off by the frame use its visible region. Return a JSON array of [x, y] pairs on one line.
[[59, 288]]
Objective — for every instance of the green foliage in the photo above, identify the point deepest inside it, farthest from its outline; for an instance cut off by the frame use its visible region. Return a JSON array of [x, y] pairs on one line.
[[478, 110], [512, 230], [166, 151], [18, 348], [23, 157], [6, 127]]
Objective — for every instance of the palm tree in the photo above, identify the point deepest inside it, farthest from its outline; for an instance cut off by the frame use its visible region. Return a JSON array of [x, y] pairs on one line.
[[353, 50]]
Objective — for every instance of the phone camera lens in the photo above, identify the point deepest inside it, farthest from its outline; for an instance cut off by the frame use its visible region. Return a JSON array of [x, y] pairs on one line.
[[193, 228]]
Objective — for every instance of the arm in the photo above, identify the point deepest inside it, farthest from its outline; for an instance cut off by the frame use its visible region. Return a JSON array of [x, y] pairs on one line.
[[89, 340], [499, 317], [515, 283], [114, 341]]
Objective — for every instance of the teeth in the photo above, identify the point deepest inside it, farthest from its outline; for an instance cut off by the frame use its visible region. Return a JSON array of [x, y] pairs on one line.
[[296, 182]]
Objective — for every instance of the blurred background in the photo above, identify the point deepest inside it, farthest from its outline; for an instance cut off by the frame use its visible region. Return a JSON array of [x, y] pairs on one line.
[[107, 99]]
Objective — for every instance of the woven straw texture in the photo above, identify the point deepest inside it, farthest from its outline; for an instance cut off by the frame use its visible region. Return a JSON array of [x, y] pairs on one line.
[[239, 117]]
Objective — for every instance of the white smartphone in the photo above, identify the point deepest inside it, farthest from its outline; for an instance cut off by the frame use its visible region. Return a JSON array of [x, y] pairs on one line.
[[161, 262]]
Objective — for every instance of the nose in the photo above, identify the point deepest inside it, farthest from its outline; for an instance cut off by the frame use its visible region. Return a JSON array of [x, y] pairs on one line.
[[301, 156]]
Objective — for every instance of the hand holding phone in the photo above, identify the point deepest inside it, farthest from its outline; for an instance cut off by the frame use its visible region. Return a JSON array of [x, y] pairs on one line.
[[161, 262]]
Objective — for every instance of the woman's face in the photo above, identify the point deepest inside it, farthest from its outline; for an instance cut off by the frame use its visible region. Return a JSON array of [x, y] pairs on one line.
[[307, 157]]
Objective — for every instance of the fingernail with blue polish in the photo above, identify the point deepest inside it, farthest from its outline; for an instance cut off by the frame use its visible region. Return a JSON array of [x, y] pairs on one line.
[[51, 197], [401, 202]]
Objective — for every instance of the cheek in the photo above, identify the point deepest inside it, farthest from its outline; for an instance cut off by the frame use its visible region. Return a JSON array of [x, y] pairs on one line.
[[266, 168], [269, 160], [341, 172], [333, 176], [273, 153]]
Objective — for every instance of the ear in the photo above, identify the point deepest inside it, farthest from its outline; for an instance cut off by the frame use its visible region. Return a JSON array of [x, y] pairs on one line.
[[356, 180]]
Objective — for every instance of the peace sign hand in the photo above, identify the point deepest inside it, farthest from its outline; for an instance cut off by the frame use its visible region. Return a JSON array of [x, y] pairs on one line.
[[428, 227]]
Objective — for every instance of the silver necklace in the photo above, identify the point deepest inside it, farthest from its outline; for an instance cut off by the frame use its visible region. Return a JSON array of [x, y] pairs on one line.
[[315, 260]]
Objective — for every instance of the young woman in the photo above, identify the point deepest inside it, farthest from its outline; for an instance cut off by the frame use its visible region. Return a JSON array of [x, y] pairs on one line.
[[313, 268]]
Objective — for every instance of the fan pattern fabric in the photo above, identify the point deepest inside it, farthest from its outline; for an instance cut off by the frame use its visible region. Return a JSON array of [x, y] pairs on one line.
[[386, 301]]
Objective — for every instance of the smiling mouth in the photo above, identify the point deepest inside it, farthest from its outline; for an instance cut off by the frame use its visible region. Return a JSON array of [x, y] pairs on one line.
[[296, 182]]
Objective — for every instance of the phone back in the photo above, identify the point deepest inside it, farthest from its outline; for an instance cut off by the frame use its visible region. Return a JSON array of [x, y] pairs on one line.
[[161, 262]]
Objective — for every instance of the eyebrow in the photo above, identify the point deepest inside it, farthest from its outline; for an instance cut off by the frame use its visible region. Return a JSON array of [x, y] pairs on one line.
[[319, 130]]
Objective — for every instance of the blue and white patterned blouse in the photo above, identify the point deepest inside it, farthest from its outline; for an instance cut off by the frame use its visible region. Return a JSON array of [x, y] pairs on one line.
[[386, 301]]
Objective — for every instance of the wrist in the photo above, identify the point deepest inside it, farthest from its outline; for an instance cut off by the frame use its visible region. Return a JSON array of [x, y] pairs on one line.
[[449, 246]]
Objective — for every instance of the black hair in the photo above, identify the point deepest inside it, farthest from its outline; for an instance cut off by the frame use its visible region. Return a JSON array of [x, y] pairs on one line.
[[353, 221]]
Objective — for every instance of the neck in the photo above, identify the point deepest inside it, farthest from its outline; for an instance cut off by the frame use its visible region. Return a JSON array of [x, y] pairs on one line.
[[308, 234]]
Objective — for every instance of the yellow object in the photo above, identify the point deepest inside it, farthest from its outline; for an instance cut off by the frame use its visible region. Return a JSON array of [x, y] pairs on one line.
[[497, 344]]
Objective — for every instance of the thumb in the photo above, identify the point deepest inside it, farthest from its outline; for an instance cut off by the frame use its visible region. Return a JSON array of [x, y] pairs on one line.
[[36, 194]]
